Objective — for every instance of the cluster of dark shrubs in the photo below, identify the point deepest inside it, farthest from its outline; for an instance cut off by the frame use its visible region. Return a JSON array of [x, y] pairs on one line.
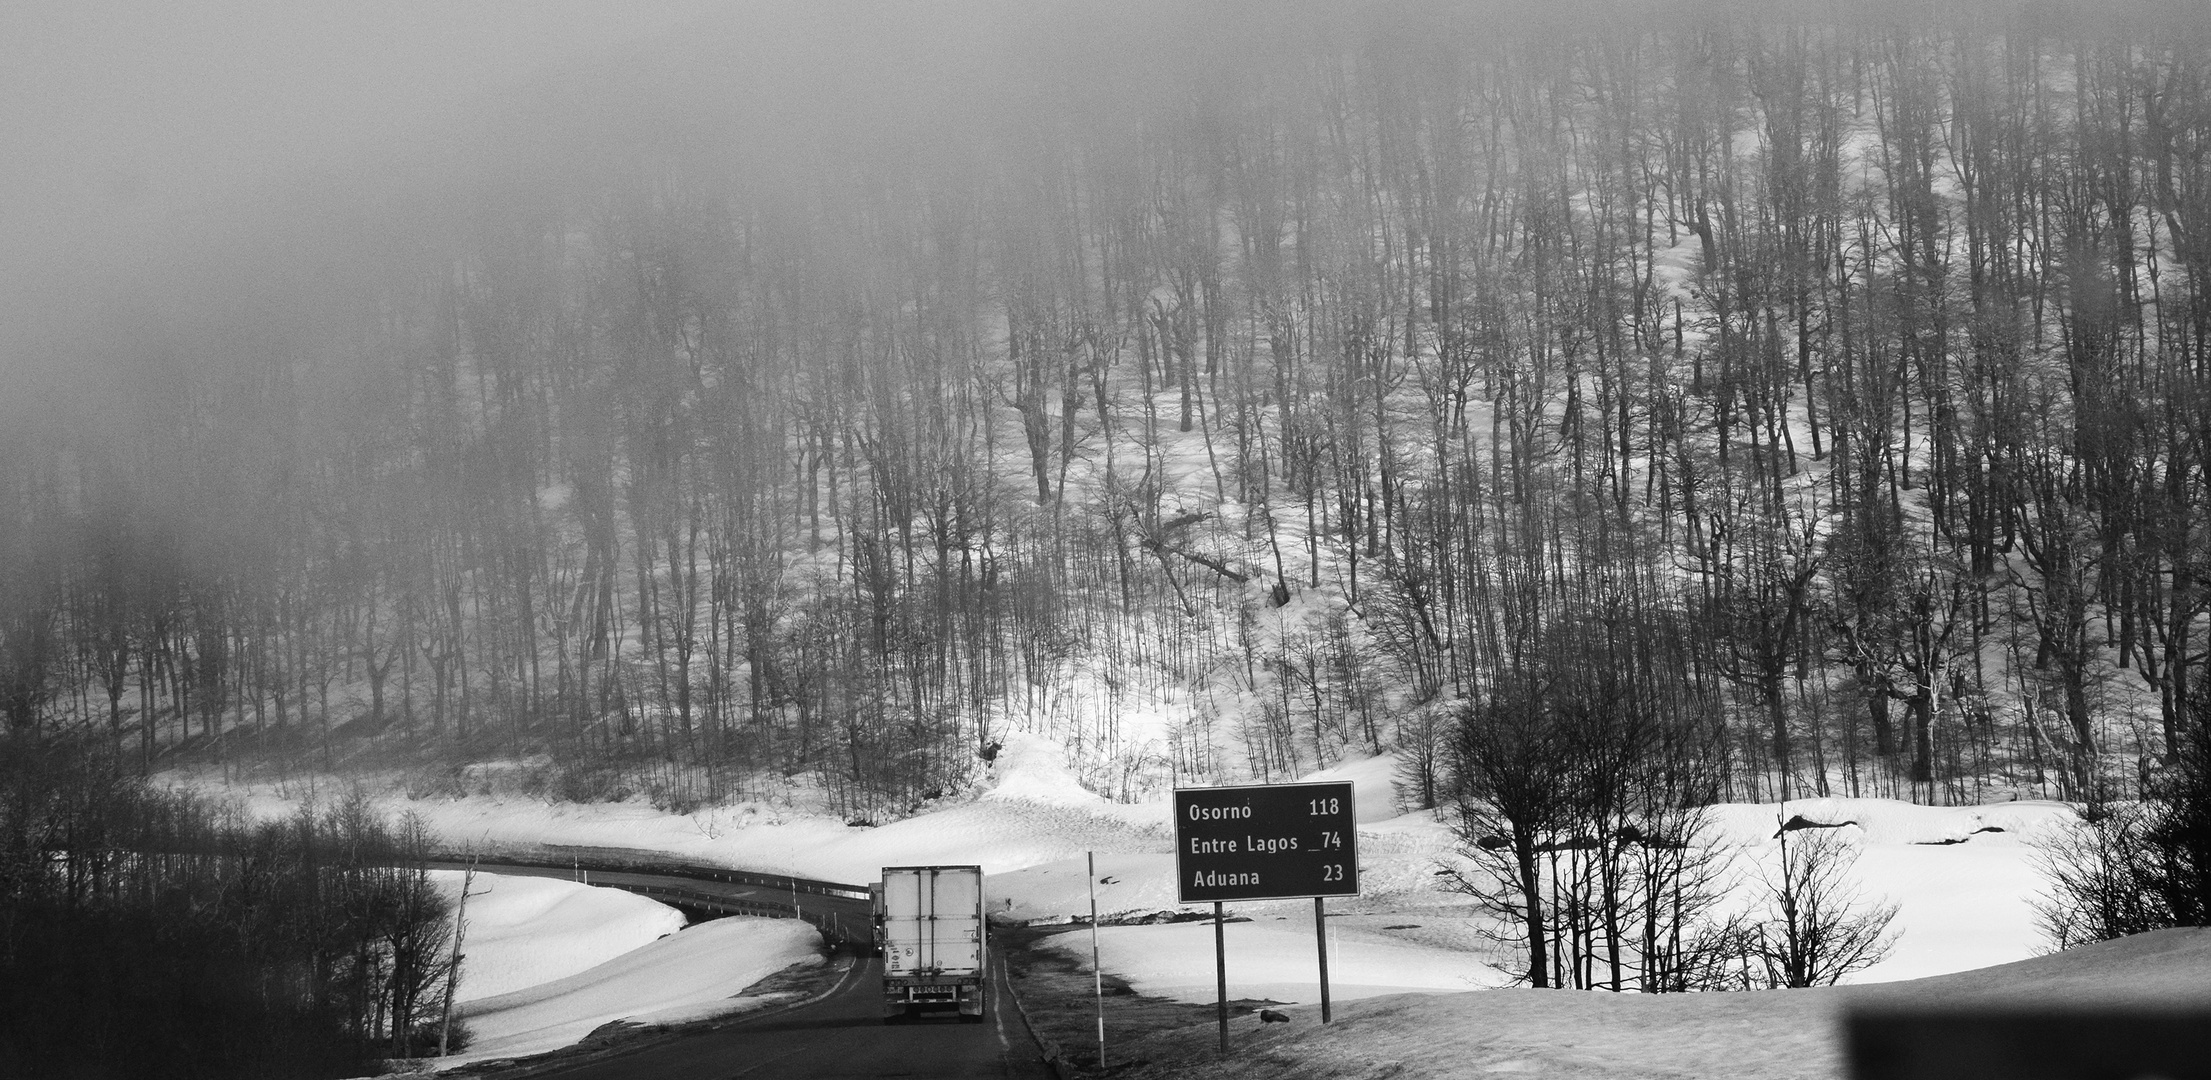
[[148, 933], [2138, 865]]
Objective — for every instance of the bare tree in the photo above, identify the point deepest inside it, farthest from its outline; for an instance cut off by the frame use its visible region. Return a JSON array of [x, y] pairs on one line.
[[1815, 928]]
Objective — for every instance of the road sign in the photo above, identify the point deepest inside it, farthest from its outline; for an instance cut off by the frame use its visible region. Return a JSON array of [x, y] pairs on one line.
[[1266, 842]]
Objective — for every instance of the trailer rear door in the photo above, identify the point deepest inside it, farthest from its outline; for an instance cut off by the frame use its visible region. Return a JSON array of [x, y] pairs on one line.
[[933, 920]]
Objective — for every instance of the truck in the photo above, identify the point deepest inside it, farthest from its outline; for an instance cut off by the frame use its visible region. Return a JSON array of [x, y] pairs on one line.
[[936, 953]]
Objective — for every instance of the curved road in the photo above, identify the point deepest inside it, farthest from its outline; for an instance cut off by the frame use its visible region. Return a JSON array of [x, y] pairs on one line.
[[839, 1035]]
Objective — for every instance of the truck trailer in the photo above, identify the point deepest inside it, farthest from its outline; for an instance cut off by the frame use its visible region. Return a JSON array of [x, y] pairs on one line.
[[936, 956]]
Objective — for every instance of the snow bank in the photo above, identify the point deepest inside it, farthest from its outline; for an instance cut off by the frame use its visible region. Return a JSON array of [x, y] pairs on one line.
[[1001, 835], [1770, 1035], [688, 976], [1272, 957], [1054, 891], [523, 931]]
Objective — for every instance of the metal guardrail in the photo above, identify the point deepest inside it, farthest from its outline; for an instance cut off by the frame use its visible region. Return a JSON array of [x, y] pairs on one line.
[[720, 904], [581, 856], [831, 923], [630, 860], [807, 886]]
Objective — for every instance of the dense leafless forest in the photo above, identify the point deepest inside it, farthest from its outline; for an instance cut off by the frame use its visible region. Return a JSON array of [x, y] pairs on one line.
[[1218, 388]]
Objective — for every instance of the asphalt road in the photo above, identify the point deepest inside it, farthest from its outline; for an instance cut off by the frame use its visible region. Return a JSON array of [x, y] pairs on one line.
[[839, 1035]]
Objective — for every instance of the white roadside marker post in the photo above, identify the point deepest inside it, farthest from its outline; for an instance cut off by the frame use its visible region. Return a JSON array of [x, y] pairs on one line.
[[1097, 975]]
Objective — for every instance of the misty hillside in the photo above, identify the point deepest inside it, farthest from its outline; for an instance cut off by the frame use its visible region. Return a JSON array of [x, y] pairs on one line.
[[1216, 389]]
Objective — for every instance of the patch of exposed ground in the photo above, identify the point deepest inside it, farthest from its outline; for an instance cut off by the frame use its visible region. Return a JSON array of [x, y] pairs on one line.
[[1063, 1003]]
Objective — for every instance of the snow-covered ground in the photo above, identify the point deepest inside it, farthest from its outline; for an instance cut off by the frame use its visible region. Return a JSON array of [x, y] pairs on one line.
[[1961, 905], [692, 975], [1963, 877], [549, 961], [1274, 957], [1771, 1035], [526, 931]]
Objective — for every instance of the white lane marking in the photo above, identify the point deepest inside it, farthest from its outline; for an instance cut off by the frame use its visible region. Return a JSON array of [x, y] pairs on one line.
[[998, 1008]]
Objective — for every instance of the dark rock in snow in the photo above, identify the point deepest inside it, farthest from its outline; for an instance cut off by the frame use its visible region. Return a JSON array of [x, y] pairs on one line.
[[1571, 843], [1799, 822]]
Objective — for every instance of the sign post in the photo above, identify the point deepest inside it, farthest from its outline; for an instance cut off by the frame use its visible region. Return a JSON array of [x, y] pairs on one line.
[[1266, 842], [1220, 970], [1320, 933]]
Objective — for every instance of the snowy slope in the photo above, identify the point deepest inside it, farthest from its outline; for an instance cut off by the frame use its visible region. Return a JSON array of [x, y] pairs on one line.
[[1963, 877], [1370, 778], [692, 975], [547, 961], [525, 931]]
